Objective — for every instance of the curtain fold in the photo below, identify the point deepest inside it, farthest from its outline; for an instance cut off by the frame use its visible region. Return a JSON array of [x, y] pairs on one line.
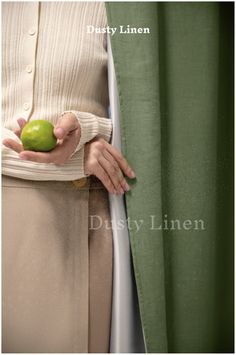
[[126, 330], [136, 63], [176, 101]]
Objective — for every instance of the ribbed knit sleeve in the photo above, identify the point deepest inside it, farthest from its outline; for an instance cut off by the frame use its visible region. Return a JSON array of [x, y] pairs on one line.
[[92, 126]]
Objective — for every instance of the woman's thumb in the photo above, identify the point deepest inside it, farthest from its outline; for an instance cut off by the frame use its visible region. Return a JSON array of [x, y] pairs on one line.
[[67, 123]]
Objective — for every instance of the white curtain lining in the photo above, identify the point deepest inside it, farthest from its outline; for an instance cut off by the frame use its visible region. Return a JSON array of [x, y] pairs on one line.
[[126, 330]]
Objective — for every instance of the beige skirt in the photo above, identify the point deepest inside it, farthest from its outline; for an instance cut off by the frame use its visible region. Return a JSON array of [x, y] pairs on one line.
[[56, 267]]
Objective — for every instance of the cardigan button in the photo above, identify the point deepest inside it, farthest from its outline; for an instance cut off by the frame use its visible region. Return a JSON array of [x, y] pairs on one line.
[[26, 106], [32, 31], [29, 69]]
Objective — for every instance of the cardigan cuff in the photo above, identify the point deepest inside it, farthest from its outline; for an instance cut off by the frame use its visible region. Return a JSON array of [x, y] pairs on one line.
[[91, 126]]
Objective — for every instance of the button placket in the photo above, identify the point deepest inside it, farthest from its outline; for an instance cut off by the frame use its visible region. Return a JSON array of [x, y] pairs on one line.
[[26, 106], [32, 31], [29, 69], [29, 58]]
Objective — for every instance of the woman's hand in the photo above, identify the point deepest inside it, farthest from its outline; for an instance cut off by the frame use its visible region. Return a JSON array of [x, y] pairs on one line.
[[67, 131], [108, 164], [101, 158]]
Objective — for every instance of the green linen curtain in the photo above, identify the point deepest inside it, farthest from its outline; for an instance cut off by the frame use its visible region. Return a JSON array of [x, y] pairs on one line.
[[176, 100]]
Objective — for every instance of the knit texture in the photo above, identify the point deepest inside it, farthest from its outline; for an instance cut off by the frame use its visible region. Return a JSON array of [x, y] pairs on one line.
[[51, 65]]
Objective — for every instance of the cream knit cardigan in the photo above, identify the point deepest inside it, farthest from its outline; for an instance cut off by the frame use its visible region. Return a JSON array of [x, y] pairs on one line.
[[50, 65]]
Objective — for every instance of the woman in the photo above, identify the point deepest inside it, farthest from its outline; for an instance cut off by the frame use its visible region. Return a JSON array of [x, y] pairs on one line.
[[57, 272]]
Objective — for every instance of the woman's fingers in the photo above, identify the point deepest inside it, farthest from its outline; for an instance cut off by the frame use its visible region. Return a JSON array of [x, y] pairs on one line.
[[113, 174], [123, 164], [10, 143], [59, 155], [17, 132], [37, 157], [21, 122], [116, 173], [55, 156], [104, 178]]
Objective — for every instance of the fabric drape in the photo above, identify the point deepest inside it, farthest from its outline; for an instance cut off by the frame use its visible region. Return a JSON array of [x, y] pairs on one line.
[[126, 329], [175, 88]]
